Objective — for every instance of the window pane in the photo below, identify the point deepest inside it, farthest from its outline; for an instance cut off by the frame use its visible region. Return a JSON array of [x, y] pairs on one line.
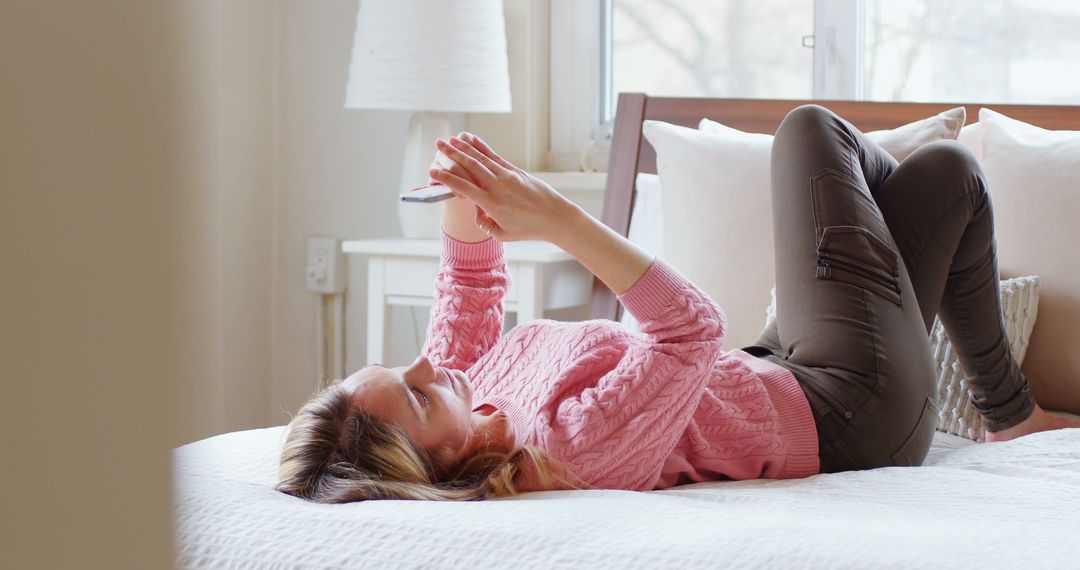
[[994, 51], [692, 48]]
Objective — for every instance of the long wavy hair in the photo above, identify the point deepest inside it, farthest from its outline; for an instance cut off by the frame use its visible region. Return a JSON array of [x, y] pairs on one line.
[[337, 454]]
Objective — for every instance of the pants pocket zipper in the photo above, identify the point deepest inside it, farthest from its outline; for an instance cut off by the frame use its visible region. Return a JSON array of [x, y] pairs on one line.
[[825, 271]]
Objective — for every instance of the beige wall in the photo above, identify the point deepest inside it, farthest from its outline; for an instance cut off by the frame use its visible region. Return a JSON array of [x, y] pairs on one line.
[[95, 195], [275, 158], [271, 158], [278, 159], [246, 189], [163, 164]]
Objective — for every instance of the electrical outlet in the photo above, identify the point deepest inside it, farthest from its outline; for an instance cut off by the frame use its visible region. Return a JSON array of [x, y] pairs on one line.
[[325, 271]]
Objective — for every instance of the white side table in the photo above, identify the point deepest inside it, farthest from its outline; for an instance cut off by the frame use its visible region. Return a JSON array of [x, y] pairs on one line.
[[402, 272]]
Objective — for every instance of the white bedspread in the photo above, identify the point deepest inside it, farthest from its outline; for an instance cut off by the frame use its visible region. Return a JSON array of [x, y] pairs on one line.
[[1002, 505]]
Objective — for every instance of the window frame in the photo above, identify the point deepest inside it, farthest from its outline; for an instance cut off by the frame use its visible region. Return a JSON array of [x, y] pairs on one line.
[[580, 68], [577, 35]]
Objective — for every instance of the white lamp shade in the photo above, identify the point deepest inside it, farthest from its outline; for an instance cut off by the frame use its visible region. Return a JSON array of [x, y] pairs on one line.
[[430, 55]]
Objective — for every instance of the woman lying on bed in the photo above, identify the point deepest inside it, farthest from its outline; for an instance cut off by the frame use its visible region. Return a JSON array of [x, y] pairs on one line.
[[843, 381]]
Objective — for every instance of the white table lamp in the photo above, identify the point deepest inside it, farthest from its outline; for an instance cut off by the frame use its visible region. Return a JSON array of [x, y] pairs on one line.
[[433, 57]]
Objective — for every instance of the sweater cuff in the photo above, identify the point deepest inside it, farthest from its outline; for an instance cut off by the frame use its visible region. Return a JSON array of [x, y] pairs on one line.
[[463, 255], [652, 293]]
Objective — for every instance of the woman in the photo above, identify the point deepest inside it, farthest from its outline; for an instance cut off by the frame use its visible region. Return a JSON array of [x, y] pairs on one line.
[[843, 380]]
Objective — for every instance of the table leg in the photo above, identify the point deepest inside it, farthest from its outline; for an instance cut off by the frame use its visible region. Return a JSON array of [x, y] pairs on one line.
[[378, 323], [531, 293]]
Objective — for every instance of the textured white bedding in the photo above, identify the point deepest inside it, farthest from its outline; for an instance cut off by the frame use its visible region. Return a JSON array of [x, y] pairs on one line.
[[1002, 505]]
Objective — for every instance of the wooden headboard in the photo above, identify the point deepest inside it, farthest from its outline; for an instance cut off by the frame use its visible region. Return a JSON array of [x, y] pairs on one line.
[[631, 154]]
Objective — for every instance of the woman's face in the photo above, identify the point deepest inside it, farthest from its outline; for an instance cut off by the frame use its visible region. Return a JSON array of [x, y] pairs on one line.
[[432, 404]]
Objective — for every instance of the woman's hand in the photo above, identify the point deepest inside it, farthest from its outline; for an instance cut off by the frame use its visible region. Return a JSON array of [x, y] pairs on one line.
[[459, 214], [514, 205]]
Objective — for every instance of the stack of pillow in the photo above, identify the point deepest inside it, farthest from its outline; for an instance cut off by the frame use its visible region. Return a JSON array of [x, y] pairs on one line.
[[713, 221]]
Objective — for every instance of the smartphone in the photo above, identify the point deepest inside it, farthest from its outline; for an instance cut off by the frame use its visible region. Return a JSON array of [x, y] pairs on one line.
[[428, 194]]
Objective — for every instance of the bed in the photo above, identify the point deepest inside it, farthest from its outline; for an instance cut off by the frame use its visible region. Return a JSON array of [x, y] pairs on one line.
[[1005, 505], [970, 505]]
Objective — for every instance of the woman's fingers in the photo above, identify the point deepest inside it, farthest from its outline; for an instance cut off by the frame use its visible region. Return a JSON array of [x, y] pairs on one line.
[[482, 218], [461, 186], [461, 144], [442, 162], [489, 225], [455, 169], [459, 170], [487, 151], [478, 171]]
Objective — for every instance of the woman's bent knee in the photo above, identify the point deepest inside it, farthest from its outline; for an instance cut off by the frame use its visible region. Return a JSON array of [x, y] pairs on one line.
[[805, 116], [950, 154], [951, 161], [807, 125]]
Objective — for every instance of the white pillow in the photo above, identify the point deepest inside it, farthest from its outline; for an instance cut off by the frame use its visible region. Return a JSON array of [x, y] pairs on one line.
[[717, 216], [718, 208], [1019, 307], [646, 226], [899, 142], [903, 140], [1034, 179], [648, 212], [971, 137]]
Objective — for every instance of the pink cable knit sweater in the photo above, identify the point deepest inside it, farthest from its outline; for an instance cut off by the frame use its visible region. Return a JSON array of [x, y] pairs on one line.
[[624, 412]]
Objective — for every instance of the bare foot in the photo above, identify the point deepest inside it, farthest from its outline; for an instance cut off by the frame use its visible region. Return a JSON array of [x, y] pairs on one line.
[[1040, 420], [1061, 420]]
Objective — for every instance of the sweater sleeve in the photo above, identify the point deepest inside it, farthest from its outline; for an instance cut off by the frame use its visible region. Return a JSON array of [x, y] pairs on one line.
[[467, 316], [640, 409]]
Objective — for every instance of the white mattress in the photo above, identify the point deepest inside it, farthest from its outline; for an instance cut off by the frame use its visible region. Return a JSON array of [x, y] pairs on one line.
[[1002, 505]]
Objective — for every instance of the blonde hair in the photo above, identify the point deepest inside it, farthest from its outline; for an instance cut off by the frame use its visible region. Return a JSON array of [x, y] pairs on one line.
[[337, 454]]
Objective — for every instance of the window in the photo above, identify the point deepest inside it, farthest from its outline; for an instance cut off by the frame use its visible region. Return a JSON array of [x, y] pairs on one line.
[[739, 48], [993, 51]]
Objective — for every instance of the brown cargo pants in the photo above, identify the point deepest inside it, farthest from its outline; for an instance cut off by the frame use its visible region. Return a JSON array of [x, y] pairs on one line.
[[867, 252]]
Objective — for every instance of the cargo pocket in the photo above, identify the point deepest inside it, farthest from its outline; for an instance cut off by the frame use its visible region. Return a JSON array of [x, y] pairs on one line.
[[852, 236], [854, 255], [914, 449]]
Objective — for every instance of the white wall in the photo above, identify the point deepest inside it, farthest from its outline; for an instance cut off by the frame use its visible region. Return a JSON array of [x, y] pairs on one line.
[[337, 174], [522, 136], [229, 95], [338, 170]]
